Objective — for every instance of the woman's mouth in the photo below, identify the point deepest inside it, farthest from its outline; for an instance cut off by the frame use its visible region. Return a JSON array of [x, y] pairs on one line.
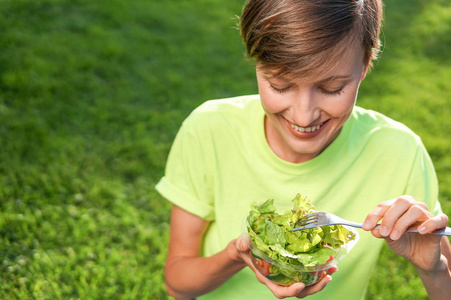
[[305, 132], [306, 129]]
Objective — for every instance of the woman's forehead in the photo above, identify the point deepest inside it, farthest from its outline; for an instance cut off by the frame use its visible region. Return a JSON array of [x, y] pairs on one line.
[[343, 64]]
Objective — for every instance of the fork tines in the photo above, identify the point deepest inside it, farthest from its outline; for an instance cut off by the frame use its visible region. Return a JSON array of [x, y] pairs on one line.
[[306, 222]]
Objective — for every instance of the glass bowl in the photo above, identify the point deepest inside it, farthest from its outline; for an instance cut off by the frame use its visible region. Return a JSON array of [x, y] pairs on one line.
[[284, 273]]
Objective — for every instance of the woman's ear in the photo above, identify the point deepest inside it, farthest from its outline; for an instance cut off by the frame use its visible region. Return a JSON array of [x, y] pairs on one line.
[[366, 67]]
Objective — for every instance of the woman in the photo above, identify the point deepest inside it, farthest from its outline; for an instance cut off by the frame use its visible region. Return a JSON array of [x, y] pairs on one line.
[[301, 134]]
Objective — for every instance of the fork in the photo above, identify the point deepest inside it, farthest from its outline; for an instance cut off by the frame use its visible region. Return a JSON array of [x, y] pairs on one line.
[[319, 219]]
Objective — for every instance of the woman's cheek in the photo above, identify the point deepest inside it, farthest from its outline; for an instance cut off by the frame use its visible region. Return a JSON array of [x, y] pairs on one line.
[[343, 106], [273, 103]]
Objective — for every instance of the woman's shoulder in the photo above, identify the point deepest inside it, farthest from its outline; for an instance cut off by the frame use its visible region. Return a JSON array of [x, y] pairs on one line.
[[232, 105], [227, 110], [378, 126]]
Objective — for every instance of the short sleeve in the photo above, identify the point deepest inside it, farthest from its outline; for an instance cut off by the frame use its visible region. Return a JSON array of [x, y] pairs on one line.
[[187, 182], [423, 184]]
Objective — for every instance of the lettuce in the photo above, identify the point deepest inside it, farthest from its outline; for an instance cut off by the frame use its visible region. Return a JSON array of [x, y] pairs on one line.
[[270, 233]]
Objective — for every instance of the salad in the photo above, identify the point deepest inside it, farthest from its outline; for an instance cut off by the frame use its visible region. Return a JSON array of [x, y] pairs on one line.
[[286, 256]]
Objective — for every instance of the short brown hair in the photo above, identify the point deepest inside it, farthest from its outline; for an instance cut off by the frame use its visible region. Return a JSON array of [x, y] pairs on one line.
[[300, 37]]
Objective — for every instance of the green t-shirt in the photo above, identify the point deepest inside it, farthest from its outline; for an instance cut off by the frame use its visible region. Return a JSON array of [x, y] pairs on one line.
[[220, 163]]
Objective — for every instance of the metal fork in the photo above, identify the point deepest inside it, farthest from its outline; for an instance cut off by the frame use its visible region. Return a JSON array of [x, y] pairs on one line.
[[319, 219]]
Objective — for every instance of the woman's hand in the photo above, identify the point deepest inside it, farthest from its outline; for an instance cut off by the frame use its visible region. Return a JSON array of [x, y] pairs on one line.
[[298, 290], [397, 216]]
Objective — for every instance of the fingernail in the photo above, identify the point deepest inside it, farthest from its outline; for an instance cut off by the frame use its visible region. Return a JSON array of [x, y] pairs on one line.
[[242, 247], [384, 230], [366, 224], [394, 235], [422, 229]]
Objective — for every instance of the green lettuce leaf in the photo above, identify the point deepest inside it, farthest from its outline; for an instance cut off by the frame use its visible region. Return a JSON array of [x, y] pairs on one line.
[[274, 234], [270, 233]]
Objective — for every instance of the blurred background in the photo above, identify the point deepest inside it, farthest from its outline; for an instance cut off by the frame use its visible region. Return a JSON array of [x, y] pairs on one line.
[[92, 93]]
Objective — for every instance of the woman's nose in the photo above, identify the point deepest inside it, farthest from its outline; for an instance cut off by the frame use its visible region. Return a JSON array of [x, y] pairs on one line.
[[305, 109]]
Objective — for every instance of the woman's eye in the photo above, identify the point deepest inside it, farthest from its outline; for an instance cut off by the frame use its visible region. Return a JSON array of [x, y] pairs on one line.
[[279, 91], [331, 93]]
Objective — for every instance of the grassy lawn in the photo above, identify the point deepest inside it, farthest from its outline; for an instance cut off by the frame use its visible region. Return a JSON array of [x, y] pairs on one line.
[[92, 93]]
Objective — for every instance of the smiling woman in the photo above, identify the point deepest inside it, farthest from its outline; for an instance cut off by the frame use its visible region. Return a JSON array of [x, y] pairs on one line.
[[304, 134], [304, 117], [92, 94]]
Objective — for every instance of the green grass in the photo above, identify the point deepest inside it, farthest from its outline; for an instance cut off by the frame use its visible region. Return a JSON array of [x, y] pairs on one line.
[[91, 96]]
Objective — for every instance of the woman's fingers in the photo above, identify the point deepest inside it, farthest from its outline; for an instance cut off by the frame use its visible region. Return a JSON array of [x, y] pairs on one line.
[[241, 245], [299, 290], [286, 291], [397, 216], [396, 209], [394, 229], [279, 291], [433, 224], [295, 290], [376, 215], [317, 287], [332, 270]]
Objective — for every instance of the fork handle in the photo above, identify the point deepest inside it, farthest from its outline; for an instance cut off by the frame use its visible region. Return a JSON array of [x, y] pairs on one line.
[[354, 224], [445, 231]]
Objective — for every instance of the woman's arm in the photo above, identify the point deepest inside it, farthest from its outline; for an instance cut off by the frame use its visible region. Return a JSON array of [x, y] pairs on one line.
[[188, 275], [438, 283]]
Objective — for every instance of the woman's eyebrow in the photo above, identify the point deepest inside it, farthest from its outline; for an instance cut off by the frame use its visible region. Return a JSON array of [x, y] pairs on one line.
[[335, 77], [279, 80], [271, 76]]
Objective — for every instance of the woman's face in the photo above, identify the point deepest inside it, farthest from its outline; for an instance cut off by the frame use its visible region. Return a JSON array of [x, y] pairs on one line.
[[304, 117]]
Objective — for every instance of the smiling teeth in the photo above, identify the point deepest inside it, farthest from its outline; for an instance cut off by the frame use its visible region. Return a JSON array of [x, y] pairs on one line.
[[306, 129]]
